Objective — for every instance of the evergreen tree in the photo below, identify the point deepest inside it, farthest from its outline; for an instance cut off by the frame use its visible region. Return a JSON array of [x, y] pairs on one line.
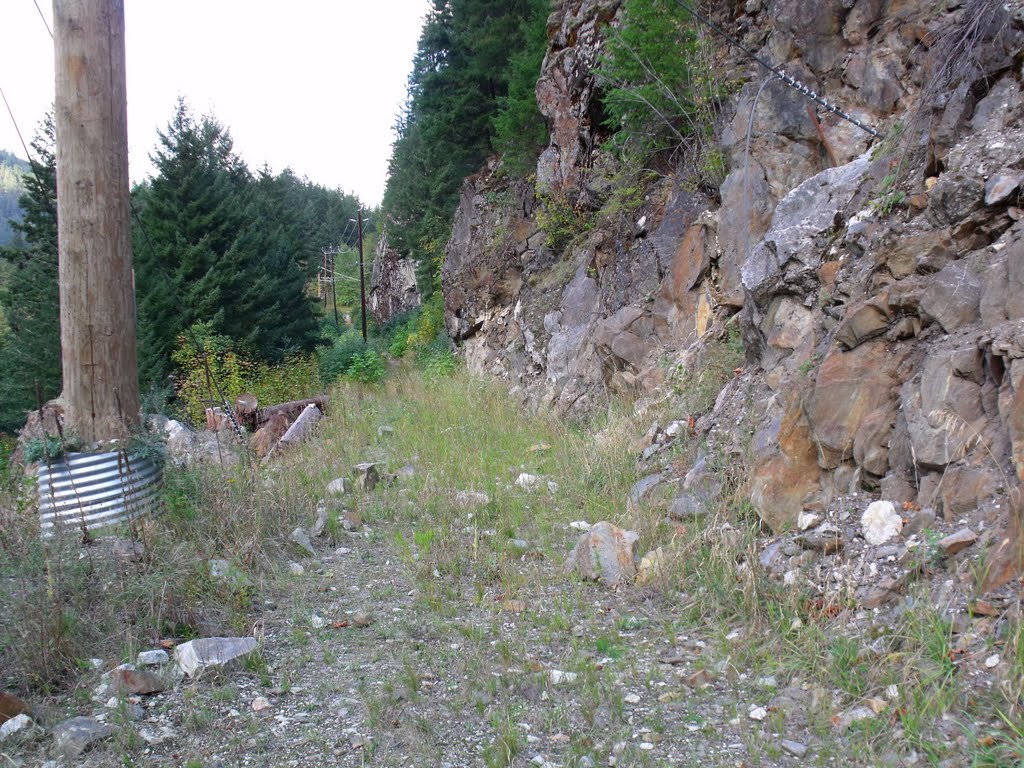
[[520, 131], [12, 186], [659, 88], [459, 84], [30, 347], [217, 246]]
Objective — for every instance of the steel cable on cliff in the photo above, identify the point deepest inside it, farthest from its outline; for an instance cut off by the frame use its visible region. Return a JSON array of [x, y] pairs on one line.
[[746, 168], [789, 80]]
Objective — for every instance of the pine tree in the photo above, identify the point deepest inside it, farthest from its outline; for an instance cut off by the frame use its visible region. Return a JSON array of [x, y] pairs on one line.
[[30, 349], [189, 216], [216, 246], [459, 84]]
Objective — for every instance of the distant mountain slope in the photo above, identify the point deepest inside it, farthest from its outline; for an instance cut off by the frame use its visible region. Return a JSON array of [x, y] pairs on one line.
[[11, 188]]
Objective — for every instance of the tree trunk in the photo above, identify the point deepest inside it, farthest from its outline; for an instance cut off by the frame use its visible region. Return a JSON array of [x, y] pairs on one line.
[[97, 298]]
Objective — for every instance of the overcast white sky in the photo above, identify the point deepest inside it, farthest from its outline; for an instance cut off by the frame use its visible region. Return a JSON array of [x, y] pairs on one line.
[[313, 85]]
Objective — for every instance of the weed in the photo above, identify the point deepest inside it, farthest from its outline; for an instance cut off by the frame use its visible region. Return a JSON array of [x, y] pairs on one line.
[[562, 221]]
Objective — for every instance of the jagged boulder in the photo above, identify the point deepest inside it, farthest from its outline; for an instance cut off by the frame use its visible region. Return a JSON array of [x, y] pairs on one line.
[[605, 553]]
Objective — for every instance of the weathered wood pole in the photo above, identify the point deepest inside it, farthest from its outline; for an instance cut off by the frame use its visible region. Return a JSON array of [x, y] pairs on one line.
[[97, 299]]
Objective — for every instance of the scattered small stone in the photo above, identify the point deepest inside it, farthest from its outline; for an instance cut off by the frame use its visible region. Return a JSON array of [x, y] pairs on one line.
[[558, 677], [795, 748], [757, 713], [956, 542], [129, 550], [343, 551], [219, 568], [127, 681], [318, 622], [844, 720], [154, 658], [340, 486], [605, 553], [699, 679], [919, 522], [11, 706], [197, 656], [580, 525], [320, 524], [646, 746], [471, 499], [300, 538], [367, 476], [687, 506], [296, 569], [385, 431], [880, 522], [826, 538], [982, 608], [20, 726], [528, 482], [362, 620], [155, 737], [992, 661], [73, 737], [351, 520], [260, 703], [807, 520], [631, 698], [358, 742]]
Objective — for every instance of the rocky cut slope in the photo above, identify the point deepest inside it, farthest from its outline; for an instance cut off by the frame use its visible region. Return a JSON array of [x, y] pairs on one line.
[[876, 284]]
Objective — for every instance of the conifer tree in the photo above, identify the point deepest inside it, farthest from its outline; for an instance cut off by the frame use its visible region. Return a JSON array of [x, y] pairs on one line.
[[458, 86], [217, 246], [30, 349]]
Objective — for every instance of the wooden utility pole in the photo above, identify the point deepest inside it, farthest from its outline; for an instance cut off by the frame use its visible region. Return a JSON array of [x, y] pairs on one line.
[[362, 281], [97, 300]]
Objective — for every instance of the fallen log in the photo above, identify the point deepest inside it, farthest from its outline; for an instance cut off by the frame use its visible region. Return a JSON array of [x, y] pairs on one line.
[[290, 410], [300, 429]]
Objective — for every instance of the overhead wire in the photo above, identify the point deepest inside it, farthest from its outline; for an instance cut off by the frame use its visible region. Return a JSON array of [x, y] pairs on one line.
[[21, 138], [41, 16], [17, 130], [787, 79]]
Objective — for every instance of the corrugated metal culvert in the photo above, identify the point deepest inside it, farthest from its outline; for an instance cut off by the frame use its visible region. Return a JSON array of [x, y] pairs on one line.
[[97, 490]]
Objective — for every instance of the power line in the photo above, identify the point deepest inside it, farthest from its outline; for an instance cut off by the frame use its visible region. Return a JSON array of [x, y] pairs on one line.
[[787, 79], [45, 22], [17, 130]]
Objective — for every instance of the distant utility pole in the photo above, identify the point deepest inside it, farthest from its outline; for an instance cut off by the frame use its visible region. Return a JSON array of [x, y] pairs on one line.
[[362, 281], [328, 277], [97, 299]]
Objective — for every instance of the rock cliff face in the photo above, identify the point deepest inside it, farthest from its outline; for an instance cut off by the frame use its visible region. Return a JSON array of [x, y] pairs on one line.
[[393, 289], [877, 286]]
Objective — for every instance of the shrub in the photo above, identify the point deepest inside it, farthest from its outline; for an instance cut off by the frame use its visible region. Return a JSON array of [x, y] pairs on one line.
[[210, 368], [366, 367], [335, 360], [562, 221], [660, 89]]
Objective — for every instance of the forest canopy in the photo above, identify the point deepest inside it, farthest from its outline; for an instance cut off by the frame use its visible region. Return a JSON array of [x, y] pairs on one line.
[[215, 244], [470, 94]]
